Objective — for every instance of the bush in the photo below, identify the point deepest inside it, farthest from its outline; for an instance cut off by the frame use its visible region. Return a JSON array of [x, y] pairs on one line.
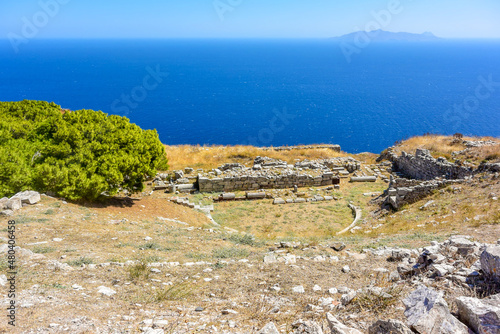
[[77, 155]]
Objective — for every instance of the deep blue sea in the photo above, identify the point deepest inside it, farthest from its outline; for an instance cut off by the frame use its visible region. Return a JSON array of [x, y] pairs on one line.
[[267, 92]]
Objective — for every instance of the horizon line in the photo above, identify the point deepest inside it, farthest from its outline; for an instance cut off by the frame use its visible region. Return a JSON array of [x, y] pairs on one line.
[[233, 38]]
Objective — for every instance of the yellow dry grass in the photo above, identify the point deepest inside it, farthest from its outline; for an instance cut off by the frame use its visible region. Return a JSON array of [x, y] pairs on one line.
[[439, 145], [208, 157]]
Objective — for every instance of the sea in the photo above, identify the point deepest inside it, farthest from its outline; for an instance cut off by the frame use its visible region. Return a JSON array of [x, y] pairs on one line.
[[267, 92]]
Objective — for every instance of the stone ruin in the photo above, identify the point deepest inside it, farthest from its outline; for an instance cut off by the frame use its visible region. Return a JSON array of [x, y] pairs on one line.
[[266, 173], [421, 174]]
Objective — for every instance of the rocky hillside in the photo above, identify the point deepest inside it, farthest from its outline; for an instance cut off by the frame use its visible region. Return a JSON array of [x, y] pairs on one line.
[[406, 244]]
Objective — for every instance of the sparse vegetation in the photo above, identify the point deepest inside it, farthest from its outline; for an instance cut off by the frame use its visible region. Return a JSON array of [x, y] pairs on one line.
[[199, 264], [80, 261]]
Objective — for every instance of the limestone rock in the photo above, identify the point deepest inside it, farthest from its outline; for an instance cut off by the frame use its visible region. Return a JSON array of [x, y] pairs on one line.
[[482, 315], [270, 258], [2, 202], [307, 327], [28, 197], [13, 204], [298, 289], [427, 313], [56, 266], [348, 297], [3, 280], [106, 291], [389, 327], [270, 328], [338, 246], [336, 327], [490, 262]]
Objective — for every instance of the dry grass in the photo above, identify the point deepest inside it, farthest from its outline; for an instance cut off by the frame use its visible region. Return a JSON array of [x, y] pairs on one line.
[[208, 157], [304, 220], [458, 209], [444, 146]]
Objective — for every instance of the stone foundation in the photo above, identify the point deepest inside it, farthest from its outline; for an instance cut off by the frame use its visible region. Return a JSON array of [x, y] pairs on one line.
[[422, 166], [255, 182]]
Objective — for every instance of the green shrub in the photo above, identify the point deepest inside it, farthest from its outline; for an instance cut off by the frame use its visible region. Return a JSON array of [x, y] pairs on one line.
[[77, 155], [229, 252]]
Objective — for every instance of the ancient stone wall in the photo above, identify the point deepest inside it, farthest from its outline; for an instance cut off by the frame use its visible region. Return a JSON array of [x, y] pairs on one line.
[[404, 191], [422, 166], [254, 182]]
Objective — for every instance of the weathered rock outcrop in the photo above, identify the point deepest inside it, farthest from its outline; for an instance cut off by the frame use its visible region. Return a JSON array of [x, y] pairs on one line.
[[482, 315], [389, 327], [490, 262], [427, 313]]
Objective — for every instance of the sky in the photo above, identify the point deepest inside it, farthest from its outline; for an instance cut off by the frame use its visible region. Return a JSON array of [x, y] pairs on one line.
[[245, 18]]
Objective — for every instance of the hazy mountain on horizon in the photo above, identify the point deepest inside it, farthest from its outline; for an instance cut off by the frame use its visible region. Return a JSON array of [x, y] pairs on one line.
[[382, 35]]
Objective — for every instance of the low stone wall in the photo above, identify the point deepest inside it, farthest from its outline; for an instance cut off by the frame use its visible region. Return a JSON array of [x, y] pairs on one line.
[[422, 166], [403, 191], [249, 182]]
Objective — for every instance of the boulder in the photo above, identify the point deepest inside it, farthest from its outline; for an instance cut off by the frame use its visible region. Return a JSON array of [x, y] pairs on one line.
[[336, 327], [270, 328], [490, 262], [427, 313], [28, 197], [3, 201], [13, 204], [482, 315], [338, 246], [389, 327]]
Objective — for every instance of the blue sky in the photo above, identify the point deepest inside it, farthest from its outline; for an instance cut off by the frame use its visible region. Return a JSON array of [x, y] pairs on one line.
[[247, 18]]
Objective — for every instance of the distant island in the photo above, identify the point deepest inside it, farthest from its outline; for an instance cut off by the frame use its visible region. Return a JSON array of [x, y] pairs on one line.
[[383, 36]]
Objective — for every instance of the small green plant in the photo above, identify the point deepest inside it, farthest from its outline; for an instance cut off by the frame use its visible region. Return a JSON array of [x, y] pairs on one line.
[[151, 245], [243, 239], [3, 264], [195, 256], [153, 258], [173, 293], [58, 286], [80, 261], [377, 302], [219, 265], [49, 212], [42, 250], [120, 245], [139, 270], [229, 252]]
